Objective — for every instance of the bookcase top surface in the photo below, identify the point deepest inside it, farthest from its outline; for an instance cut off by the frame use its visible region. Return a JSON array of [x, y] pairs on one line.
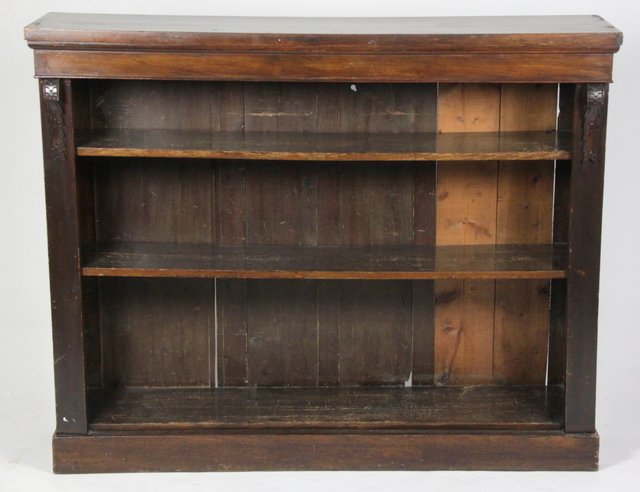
[[509, 34]]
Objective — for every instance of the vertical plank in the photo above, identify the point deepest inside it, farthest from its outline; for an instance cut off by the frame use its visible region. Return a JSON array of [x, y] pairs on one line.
[[87, 232], [329, 333], [387, 108], [154, 200], [164, 201], [329, 233], [423, 295], [375, 333], [375, 209], [282, 209], [465, 214], [282, 328], [587, 176], [61, 190], [378, 205], [228, 340], [230, 335], [464, 332], [524, 215], [281, 204], [422, 322], [557, 328], [156, 331], [145, 105], [231, 342]]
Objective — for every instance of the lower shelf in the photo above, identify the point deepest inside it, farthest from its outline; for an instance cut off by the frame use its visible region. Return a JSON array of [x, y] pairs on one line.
[[418, 408]]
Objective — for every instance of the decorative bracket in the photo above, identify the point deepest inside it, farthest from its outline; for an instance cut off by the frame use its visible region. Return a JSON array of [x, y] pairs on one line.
[[595, 93], [51, 89]]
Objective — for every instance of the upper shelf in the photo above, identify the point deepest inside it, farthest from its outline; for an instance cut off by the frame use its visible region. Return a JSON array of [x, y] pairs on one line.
[[328, 146]]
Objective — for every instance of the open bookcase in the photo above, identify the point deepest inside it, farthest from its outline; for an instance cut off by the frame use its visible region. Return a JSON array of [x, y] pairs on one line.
[[284, 264]]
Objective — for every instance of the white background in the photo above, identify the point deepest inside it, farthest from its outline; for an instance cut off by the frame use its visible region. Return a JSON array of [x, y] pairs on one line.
[[26, 377]]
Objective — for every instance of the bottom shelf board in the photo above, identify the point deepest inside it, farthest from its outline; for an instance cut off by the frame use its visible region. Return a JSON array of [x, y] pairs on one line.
[[224, 451], [363, 408]]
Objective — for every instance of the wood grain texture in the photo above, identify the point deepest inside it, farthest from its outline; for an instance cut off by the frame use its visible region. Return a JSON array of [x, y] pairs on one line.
[[64, 235], [156, 332], [503, 34], [157, 260], [585, 206], [260, 204], [222, 192], [561, 214], [447, 68], [277, 145], [466, 214], [131, 452], [524, 216], [364, 408]]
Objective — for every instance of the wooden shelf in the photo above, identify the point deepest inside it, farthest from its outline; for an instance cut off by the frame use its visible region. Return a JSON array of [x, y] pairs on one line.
[[328, 146], [379, 262], [480, 407]]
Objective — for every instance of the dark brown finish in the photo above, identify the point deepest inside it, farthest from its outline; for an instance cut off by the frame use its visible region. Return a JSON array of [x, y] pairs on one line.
[[57, 113], [328, 147], [231, 340], [261, 258], [328, 68], [155, 333], [557, 34], [585, 224], [479, 408], [327, 262], [140, 452], [557, 318]]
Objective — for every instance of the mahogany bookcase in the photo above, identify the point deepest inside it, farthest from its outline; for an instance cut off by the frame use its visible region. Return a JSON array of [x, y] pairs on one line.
[[324, 243]]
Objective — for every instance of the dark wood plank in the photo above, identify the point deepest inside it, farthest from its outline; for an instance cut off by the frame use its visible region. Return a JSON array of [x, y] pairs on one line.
[[381, 109], [504, 34], [585, 206], [231, 299], [423, 333], [279, 145], [64, 236], [282, 333], [486, 68], [281, 204], [282, 209], [168, 105], [516, 407], [159, 200], [156, 332], [561, 200], [329, 327], [423, 295], [326, 262], [376, 206], [549, 450], [375, 333], [81, 95]]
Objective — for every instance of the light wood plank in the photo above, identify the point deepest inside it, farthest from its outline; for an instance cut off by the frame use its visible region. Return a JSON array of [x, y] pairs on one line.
[[524, 215], [465, 214]]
